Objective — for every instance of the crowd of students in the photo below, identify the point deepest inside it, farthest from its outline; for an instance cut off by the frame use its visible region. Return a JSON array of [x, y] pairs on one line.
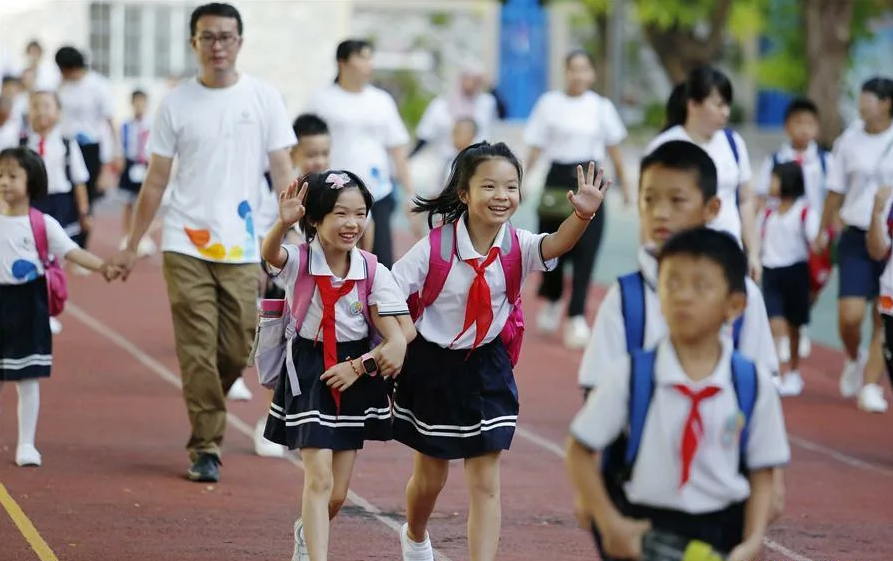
[[682, 436]]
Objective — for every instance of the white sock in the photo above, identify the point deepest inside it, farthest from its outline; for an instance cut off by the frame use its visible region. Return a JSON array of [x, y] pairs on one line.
[[29, 408]]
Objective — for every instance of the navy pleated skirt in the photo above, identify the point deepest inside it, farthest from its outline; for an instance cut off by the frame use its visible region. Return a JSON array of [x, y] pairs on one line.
[[26, 344]]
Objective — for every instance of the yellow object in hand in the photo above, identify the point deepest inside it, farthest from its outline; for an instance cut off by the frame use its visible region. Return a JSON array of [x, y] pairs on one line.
[[700, 551]]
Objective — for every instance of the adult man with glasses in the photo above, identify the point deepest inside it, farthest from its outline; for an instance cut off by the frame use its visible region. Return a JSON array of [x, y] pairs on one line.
[[219, 125]]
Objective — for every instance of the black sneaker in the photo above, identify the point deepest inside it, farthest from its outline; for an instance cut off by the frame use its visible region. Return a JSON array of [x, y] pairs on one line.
[[206, 469]]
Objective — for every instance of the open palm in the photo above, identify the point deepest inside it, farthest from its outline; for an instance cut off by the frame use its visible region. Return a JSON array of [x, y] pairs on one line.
[[291, 203], [591, 190]]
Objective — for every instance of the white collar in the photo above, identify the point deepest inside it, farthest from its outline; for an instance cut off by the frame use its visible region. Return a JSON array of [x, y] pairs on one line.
[[668, 370], [318, 266], [55, 133], [648, 265], [464, 248]]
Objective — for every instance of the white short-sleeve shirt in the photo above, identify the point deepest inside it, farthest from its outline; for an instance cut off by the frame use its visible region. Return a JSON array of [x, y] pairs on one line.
[[787, 236], [350, 322], [436, 124], [715, 480], [363, 126], [19, 261], [816, 165], [864, 162], [222, 138], [573, 129], [55, 162], [730, 175], [443, 320], [87, 105], [608, 339]]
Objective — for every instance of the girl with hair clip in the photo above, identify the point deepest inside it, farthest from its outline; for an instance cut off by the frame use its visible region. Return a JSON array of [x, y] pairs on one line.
[[332, 395], [456, 397], [698, 111]]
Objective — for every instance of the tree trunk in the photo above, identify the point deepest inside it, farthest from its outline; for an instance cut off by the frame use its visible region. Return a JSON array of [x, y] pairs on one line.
[[679, 50], [603, 71], [827, 29]]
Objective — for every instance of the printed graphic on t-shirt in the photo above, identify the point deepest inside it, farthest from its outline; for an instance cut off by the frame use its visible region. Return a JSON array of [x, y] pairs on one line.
[[213, 249]]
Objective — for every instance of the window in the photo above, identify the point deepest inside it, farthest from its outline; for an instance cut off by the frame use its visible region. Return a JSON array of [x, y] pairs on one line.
[[140, 40]]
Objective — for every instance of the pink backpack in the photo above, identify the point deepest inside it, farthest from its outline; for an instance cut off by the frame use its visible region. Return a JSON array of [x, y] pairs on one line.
[[443, 247], [275, 332], [57, 286]]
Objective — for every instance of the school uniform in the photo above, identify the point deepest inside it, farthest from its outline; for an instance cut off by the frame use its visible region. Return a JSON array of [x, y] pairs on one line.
[[608, 340], [135, 145], [709, 503], [785, 256], [26, 349], [65, 168], [313, 419], [864, 162], [456, 396], [816, 164]]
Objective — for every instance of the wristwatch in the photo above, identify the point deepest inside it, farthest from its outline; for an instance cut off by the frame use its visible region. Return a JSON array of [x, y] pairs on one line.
[[369, 364]]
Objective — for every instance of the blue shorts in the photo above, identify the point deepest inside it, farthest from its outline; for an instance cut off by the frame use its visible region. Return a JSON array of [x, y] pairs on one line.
[[859, 274]]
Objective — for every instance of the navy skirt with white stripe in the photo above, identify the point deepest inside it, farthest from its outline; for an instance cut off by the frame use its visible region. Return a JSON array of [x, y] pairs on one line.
[[310, 420], [452, 405], [26, 344]]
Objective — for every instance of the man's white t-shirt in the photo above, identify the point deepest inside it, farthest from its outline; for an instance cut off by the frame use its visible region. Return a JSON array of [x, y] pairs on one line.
[[363, 126], [729, 174], [222, 138]]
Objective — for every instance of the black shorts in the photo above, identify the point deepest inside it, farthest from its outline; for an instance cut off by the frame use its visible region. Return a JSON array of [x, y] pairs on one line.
[[786, 291]]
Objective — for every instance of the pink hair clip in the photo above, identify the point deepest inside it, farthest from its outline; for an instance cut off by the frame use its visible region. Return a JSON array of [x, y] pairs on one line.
[[337, 180]]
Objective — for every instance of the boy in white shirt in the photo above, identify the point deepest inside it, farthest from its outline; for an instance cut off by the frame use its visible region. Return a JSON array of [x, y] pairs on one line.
[[688, 434]]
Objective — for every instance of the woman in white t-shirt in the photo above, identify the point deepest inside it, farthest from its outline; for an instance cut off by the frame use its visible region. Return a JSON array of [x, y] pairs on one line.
[[863, 157], [699, 112], [366, 131], [572, 127]]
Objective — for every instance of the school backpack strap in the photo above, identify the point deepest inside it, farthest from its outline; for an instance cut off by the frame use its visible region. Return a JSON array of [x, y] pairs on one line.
[[67, 143], [442, 242], [510, 257], [301, 296], [632, 305], [39, 228], [744, 378], [823, 161], [730, 136], [364, 289], [57, 285], [641, 390]]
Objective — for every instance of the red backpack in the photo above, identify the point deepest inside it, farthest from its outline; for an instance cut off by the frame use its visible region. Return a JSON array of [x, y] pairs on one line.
[[443, 247], [57, 286]]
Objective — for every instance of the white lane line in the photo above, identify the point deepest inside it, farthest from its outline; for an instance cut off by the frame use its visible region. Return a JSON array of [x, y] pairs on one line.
[[165, 374]]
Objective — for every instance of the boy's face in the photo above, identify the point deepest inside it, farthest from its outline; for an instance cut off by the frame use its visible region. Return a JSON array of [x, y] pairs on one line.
[[802, 128], [463, 135], [43, 112], [311, 155], [695, 298], [139, 105], [671, 201]]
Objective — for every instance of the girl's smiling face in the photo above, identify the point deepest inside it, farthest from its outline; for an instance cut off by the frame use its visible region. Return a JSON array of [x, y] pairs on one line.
[[494, 192], [13, 182], [342, 228]]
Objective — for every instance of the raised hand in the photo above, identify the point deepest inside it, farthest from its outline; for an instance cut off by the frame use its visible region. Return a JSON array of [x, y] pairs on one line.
[[590, 191], [291, 203]]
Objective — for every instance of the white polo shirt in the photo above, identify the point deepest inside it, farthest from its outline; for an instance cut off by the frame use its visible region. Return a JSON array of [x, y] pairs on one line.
[[864, 163], [443, 320], [815, 174], [730, 175], [350, 322], [222, 138], [54, 161], [363, 127], [715, 480], [573, 129], [608, 340], [787, 237]]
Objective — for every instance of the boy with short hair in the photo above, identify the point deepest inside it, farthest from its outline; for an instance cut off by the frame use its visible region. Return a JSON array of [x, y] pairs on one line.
[[677, 191], [801, 125], [689, 434], [135, 152]]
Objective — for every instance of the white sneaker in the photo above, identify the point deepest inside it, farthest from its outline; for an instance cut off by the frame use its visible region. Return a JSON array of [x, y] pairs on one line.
[[300, 553], [239, 391], [414, 551], [790, 384], [784, 350], [576, 333], [851, 377], [263, 447], [27, 455], [549, 318], [871, 399], [55, 326], [805, 342]]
